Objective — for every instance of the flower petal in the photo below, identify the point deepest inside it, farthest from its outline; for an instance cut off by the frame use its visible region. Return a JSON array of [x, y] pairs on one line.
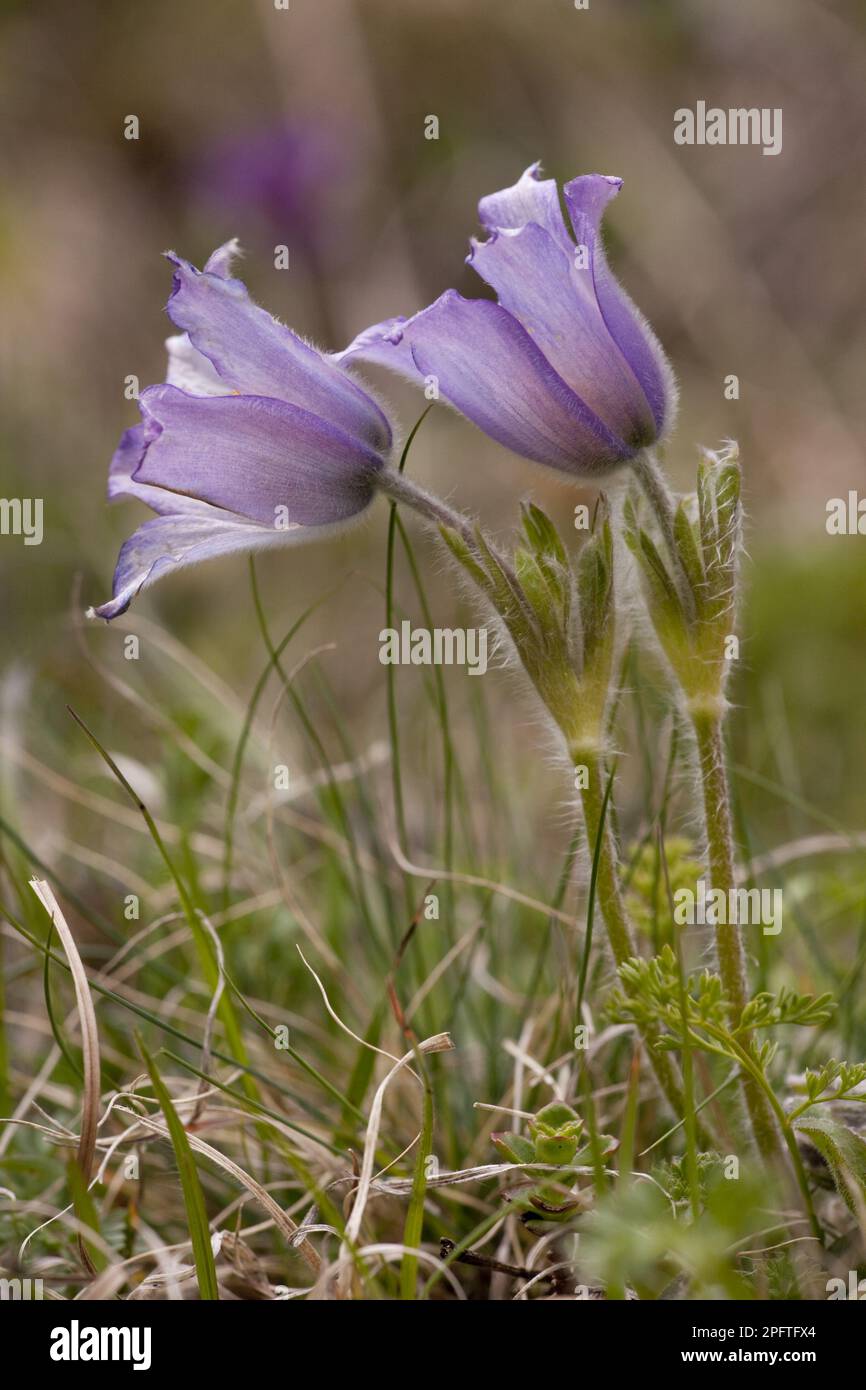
[[489, 368], [586, 198], [383, 343], [219, 262], [539, 282], [253, 456], [189, 370], [127, 457], [531, 199], [129, 453], [167, 543], [257, 356]]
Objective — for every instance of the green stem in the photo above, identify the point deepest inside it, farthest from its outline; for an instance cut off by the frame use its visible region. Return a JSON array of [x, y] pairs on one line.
[[689, 1113], [646, 469], [608, 892], [726, 1045], [613, 913], [393, 725], [414, 1225], [757, 1076], [751, 1068], [398, 488], [391, 687], [729, 946]]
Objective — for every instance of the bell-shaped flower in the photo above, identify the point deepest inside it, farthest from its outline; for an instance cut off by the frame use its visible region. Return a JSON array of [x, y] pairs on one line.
[[254, 440], [563, 369]]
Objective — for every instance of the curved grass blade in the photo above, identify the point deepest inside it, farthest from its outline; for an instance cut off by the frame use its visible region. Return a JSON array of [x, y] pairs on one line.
[[83, 1160], [162, 1025], [49, 1008]]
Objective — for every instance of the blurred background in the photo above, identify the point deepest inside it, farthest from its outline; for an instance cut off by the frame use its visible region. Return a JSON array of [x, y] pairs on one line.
[[305, 127]]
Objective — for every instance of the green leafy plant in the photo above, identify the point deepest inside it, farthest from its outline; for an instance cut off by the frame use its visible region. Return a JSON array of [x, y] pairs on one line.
[[557, 1140], [696, 1013]]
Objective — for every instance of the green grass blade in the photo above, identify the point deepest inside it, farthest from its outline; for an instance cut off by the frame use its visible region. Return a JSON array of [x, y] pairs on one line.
[[590, 904], [415, 1215], [193, 1197], [209, 966]]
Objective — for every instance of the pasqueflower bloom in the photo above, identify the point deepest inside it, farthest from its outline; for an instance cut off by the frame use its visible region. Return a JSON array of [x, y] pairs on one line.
[[254, 440], [563, 369], [281, 176]]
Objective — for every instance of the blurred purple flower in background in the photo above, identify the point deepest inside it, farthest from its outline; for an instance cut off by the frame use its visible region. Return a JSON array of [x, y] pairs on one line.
[[564, 369], [281, 176], [255, 439]]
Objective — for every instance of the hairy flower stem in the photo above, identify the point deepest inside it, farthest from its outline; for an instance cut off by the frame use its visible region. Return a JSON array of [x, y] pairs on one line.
[[729, 946], [707, 722], [402, 489], [609, 898], [645, 467], [399, 488]]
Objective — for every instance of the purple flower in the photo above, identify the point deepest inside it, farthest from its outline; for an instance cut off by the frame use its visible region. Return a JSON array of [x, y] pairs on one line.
[[255, 439], [282, 175], [563, 369]]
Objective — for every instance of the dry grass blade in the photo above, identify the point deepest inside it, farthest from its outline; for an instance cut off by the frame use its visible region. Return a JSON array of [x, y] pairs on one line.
[[440, 1042], [81, 1167], [87, 1022], [475, 881], [284, 1224], [335, 1016]]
